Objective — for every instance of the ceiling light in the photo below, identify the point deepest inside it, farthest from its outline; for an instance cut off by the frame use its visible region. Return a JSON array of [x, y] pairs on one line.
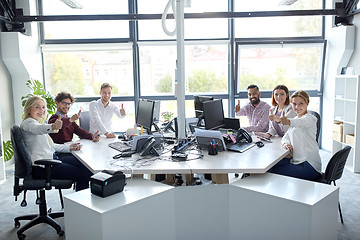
[[72, 4], [286, 2]]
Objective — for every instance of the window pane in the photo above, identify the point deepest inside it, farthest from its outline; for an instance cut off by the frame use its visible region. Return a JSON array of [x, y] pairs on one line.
[[205, 69], [82, 72], [194, 28], [297, 26], [86, 29], [297, 67]]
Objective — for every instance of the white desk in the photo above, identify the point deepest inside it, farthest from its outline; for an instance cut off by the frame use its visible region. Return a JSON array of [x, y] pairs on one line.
[[98, 156]]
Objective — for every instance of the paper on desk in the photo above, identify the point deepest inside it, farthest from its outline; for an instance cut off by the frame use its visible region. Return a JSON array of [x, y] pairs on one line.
[[212, 134]]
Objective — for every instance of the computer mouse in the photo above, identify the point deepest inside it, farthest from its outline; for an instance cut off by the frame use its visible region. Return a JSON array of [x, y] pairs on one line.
[[259, 144]]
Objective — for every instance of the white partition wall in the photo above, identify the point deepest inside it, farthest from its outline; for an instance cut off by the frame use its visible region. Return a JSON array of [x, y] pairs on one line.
[[265, 206]]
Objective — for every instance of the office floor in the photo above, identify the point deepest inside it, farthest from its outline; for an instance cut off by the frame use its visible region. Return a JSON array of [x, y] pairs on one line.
[[349, 198]]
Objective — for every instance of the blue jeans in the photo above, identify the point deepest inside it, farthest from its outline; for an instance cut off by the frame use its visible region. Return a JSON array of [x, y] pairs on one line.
[[70, 169], [303, 170]]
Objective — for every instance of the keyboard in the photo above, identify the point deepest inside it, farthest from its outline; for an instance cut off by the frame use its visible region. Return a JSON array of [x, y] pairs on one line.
[[120, 146], [241, 147]]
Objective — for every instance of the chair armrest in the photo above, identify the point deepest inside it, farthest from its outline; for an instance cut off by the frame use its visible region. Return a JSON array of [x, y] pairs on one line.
[[48, 163]]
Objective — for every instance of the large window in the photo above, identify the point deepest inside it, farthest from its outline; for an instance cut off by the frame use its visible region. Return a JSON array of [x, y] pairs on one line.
[[194, 28], [298, 66], [85, 29], [82, 72], [206, 69], [139, 59], [260, 27]]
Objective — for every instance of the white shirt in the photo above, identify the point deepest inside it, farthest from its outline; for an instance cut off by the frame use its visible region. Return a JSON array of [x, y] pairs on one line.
[[101, 117], [302, 136], [38, 142]]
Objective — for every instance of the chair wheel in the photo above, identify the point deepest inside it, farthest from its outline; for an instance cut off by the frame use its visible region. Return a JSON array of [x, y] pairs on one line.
[[37, 201], [17, 224], [61, 233], [49, 210], [21, 236]]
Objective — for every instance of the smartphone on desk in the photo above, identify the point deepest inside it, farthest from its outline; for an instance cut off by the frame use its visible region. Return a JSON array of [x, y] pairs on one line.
[[263, 138]]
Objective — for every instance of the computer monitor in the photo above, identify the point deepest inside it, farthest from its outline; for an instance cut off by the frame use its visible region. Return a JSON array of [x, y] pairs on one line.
[[145, 113], [213, 114], [198, 104]]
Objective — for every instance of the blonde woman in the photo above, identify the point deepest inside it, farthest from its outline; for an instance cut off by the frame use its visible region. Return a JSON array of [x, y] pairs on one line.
[[41, 146], [300, 140]]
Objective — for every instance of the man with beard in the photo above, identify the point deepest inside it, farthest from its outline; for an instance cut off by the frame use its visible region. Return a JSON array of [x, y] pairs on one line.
[[257, 111], [63, 102]]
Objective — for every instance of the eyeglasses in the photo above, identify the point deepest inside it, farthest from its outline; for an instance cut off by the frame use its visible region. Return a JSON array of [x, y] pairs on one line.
[[66, 103]]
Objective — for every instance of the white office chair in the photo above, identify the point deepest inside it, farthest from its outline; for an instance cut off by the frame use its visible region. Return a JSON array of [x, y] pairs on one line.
[[84, 120]]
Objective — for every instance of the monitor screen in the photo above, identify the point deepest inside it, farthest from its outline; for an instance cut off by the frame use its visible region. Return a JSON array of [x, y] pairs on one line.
[[145, 112], [198, 104], [213, 114]]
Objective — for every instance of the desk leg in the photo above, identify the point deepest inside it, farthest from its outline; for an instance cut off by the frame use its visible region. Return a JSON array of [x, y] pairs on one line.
[[189, 179], [169, 179], [220, 178]]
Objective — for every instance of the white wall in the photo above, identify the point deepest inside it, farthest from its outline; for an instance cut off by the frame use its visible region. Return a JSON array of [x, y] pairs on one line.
[[7, 107], [355, 59]]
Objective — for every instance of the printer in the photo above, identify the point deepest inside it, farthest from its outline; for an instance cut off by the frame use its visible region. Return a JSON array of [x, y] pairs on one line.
[[107, 183]]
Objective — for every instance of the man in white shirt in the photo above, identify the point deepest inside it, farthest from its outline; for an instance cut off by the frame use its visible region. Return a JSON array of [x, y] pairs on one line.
[[102, 110]]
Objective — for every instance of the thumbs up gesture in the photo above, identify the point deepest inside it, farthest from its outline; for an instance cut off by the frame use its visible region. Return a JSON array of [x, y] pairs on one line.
[[284, 120], [237, 107], [122, 110], [272, 116], [75, 117], [57, 124]]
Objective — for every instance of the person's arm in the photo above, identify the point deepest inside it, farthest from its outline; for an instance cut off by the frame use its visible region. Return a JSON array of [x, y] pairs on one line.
[[94, 116], [242, 111], [81, 132], [34, 127], [61, 147], [117, 110], [305, 121]]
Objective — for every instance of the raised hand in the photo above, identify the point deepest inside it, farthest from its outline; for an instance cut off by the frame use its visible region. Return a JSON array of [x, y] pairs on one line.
[[75, 117], [96, 136], [122, 110], [237, 107], [57, 124], [273, 117], [284, 120]]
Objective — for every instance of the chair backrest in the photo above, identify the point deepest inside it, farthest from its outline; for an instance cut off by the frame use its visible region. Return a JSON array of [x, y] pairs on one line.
[[84, 120], [335, 167], [318, 124], [23, 163]]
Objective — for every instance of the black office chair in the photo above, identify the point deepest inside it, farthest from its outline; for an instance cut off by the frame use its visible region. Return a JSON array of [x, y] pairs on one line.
[[318, 124], [23, 169], [334, 170]]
